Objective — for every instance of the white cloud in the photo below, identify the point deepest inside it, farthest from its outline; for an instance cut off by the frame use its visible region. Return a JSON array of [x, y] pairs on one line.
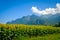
[[47, 10], [58, 8]]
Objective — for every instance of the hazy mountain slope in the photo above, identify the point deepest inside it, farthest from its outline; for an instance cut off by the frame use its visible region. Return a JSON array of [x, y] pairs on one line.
[[34, 19]]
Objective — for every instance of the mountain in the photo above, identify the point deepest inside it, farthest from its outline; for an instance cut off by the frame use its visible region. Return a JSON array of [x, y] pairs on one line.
[[34, 19]]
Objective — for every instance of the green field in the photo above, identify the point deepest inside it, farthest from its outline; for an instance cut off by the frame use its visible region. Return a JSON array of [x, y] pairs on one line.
[[29, 32], [46, 37]]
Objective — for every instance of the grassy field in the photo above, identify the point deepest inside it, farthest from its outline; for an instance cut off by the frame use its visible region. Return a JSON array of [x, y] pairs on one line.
[[46, 37], [28, 32]]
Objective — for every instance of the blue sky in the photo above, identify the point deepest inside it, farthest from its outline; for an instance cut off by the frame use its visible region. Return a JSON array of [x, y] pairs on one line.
[[13, 9]]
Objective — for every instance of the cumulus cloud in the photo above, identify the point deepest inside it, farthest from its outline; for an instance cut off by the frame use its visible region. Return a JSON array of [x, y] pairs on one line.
[[47, 10]]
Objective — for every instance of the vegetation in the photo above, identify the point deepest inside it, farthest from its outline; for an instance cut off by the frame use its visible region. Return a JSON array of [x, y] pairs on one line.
[[57, 25], [46, 37], [18, 31]]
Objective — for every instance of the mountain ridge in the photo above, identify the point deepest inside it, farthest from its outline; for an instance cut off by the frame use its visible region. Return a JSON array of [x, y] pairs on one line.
[[34, 19]]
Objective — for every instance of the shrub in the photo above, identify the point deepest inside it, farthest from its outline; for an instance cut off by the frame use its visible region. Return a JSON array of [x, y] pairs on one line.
[[57, 25]]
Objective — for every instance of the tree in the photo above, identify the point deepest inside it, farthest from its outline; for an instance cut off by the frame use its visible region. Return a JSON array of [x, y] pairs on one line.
[[57, 25]]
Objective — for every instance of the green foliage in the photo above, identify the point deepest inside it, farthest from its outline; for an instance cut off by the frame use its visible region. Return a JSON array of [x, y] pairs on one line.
[[46, 37], [57, 25], [12, 31]]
